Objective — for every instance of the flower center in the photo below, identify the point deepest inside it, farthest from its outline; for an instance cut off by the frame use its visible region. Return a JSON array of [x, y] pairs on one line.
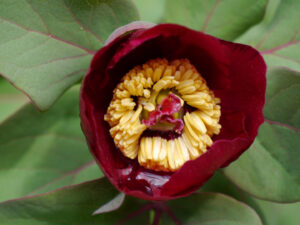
[[164, 114]]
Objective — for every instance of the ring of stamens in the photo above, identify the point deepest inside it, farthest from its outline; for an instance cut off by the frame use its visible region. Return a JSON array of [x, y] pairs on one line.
[[137, 95]]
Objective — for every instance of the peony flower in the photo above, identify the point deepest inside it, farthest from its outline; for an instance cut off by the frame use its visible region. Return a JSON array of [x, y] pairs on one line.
[[164, 107]]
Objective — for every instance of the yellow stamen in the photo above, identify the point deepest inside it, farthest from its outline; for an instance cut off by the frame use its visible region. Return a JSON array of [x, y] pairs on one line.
[[145, 83], [170, 150]]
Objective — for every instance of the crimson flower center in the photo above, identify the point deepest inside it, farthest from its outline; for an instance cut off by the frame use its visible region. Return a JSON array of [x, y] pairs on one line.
[[163, 114]]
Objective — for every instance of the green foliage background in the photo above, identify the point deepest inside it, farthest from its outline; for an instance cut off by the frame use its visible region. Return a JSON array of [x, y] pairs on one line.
[[45, 50]]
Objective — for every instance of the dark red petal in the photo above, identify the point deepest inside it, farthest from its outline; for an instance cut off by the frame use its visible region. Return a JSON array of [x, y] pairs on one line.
[[248, 85], [94, 99], [235, 72]]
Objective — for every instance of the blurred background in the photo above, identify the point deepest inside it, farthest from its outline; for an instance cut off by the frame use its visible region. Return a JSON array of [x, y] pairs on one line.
[[266, 25]]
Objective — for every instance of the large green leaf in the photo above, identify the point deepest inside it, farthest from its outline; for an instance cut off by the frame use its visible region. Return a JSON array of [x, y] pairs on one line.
[[211, 209], [225, 19], [41, 152], [276, 214], [46, 46], [10, 99], [151, 10], [270, 168], [73, 205], [271, 213], [278, 35]]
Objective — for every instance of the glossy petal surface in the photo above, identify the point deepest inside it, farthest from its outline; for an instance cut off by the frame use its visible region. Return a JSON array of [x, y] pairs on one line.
[[236, 74]]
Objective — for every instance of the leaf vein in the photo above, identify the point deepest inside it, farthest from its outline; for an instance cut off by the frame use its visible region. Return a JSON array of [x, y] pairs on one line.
[[54, 60], [271, 122], [15, 39], [50, 36], [72, 173], [80, 24], [277, 48], [209, 15], [285, 57], [43, 22], [276, 160], [113, 15], [280, 92], [67, 76]]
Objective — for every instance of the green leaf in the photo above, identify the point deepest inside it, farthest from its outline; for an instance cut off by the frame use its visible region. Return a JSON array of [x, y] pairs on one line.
[[271, 213], [156, 12], [10, 99], [43, 151], [275, 213], [278, 35], [270, 168], [211, 209], [47, 46], [283, 90], [225, 19], [72, 205], [220, 184]]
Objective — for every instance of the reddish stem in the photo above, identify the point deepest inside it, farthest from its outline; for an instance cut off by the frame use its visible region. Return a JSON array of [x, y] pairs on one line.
[[171, 215], [157, 217], [158, 207], [135, 213]]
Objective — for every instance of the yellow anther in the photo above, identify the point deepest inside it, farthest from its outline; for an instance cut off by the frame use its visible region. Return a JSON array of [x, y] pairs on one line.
[[147, 93], [157, 73]]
